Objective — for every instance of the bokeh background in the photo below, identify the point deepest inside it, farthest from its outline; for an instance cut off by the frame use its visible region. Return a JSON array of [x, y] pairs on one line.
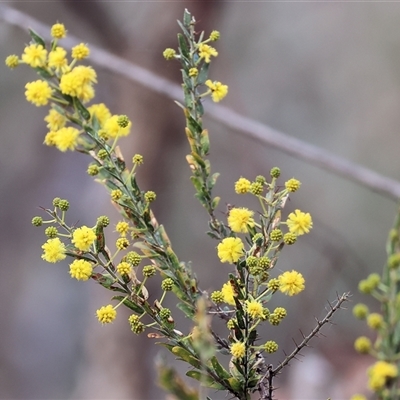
[[323, 72]]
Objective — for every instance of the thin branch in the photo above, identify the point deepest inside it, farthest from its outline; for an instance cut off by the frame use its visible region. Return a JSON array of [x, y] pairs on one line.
[[258, 131], [304, 343]]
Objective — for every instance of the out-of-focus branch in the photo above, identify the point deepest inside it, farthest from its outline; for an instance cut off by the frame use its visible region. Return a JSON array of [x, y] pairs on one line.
[[262, 133]]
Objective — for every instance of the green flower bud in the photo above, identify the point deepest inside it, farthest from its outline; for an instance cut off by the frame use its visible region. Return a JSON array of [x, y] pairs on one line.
[[167, 284], [102, 154], [93, 169], [274, 284], [275, 172], [138, 159], [37, 221], [165, 313], [64, 205], [274, 319], [217, 297], [169, 54], [360, 311], [56, 201], [271, 346], [150, 196], [289, 238], [256, 188], [103, 221], [51, 232], [133, 258], [276, 235], [363, 345], [280, 312], [149, 271], [123, 121]]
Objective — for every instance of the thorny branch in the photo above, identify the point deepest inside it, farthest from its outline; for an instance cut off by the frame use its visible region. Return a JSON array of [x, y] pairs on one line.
[[333, 308]]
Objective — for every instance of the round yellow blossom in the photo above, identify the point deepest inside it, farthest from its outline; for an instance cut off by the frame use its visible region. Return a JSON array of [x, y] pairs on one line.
[[254, 309], [106, 314], [35, 55], [242, 186], [78, 82], [379, 373], [81, 270], [292, 185], [228, 293], [124, 268], [291, 283], [55, 120], [363, 345], [58, 60], [38, 92], [12, 61], [58, 31], [206, 51], [238, 349], [240, 219], [122, 228], [299, 222], [218, 90], [80, 51], [375, 321], [113, 130], [169, 54], [83, 238], [230, 250], [66, 138], [122, 243], [101, 112], [49, 138], [54, 250]]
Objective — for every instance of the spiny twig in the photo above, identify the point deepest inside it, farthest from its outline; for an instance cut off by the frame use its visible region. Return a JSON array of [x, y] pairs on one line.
[[320, 323]]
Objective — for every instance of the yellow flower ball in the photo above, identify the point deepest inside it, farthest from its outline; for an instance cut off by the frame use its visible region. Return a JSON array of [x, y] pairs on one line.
[[230, 250]]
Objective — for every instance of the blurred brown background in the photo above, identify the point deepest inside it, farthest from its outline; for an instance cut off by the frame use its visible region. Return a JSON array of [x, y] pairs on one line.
[[324, 72]]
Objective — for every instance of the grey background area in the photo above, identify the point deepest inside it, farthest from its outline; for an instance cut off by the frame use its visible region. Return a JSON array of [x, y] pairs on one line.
[[323, 72]]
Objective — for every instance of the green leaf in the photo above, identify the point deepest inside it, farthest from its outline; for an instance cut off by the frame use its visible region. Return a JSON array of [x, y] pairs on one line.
[[197, 183], [184, 50], [184, 355], [44, 73], [203, 73], [37, 38], [187, 310], [213, 180], [187, 18], [234, 383], [83, 112], [219, 369], [185, 31], [205, 380], [205, 141], [215, 202]]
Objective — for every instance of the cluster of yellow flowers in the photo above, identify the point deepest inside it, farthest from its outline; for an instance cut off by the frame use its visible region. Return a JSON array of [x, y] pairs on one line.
[[67, 86], [202, 53], [256, 256]]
